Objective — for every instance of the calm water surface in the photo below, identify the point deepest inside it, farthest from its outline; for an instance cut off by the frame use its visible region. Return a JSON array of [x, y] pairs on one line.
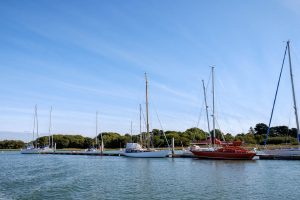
[[89, 177]]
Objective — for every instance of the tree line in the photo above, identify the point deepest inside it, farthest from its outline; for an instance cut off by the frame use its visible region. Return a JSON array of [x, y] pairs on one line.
[[11, 144], [256, 135]]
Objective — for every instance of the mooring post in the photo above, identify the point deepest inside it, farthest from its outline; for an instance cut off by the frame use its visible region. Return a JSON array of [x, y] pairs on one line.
[[173, 147]]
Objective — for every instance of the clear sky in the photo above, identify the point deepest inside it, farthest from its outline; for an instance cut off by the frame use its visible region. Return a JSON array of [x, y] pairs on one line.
[[83, 56]]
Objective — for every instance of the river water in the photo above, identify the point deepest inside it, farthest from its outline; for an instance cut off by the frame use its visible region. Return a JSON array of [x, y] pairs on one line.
[[94, 177]]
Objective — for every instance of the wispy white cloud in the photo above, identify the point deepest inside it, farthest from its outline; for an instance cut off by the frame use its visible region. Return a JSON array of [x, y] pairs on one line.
[[292, 5]]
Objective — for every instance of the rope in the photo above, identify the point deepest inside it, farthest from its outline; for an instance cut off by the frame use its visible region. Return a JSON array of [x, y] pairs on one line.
[[143, 135], [288, 135], [220, 130], [200, 114], [161, 125], [297, 59], [268, 132]]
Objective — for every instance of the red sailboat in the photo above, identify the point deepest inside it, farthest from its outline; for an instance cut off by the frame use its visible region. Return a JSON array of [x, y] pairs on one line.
[[230, 151]]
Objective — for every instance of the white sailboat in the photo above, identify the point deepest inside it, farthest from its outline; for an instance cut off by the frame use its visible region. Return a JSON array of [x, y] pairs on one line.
[[136, 150], [97, 148], [102, 143], [32, 148], [50, 146], [284, 152]]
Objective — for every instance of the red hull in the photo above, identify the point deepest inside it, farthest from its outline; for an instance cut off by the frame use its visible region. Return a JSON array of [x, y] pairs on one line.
[[226, 153]]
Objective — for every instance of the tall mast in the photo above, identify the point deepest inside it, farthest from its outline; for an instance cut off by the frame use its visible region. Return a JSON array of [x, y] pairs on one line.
[[52, 143], [147, 115], [206, 107], [293, 90], [37, 125], [50, 128], [213, 115], [131, 130], [96, 130], [102, 143], [141, 138], [33, 127]]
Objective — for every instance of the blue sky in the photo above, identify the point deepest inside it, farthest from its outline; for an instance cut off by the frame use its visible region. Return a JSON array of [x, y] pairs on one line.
[[83, 56]]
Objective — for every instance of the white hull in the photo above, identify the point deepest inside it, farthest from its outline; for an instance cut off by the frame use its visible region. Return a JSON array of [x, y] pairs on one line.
[[46, 150], [30, 151], [281, 152], [148, 154], [187, 151], [36, 150]]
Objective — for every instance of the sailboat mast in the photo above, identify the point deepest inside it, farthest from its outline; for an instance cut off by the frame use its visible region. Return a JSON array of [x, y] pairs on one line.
[[147, 115], [206, 107], [37, 125], [52, 143], [213, 115], [102, 143], [141, 137], [33, 128], [131, 130], [50, 128], [96, 129], [293, 90]]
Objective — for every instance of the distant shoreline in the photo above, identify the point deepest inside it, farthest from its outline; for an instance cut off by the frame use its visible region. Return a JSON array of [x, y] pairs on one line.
[[10, 149], [250, 146]]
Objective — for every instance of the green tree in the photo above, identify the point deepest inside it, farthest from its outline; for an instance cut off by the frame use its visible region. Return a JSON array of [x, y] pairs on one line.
[[11, 144], [114, 140], [42, 141], [219, 134], [196, 134], [228, 137], [279, 131], [261, 129], [61, 141], [293, 132]]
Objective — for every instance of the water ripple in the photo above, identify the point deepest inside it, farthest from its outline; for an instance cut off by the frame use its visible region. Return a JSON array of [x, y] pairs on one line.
[[87, 177]]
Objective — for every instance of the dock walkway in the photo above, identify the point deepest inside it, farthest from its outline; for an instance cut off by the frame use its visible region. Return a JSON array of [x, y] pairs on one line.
[[106, 153]]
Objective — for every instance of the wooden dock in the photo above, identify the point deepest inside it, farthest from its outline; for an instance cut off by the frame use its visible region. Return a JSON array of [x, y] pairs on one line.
[[107, 153], [278, 157], [119, 153], [87, 153]]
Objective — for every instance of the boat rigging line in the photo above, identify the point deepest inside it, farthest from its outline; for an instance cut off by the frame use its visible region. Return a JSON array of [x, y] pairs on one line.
[[270, 121]]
